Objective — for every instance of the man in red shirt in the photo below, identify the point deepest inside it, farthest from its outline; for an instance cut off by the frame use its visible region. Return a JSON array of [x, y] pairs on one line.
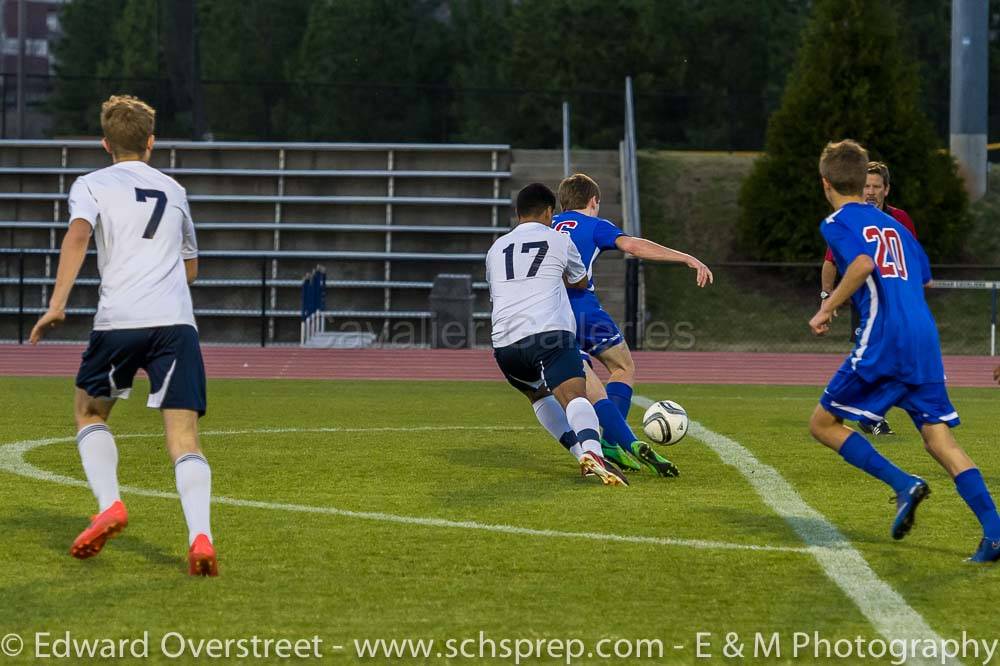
[[876, 190]]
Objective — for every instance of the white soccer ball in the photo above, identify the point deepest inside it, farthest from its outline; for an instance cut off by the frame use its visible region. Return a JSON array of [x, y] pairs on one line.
[[665, 422]]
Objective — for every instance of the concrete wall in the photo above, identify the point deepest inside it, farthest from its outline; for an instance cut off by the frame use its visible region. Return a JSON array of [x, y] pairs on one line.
[[603, 166]]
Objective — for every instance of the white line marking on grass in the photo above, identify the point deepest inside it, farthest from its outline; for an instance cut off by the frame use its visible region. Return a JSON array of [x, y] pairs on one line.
[[12, 460], [841, 562]]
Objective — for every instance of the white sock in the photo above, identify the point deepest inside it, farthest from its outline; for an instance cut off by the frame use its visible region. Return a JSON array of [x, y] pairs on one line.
[[553, 418], [99, 456], [583, 419], [577, 451], [194, 485]]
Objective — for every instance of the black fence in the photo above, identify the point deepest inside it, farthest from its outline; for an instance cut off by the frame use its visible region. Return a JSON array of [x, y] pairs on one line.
[[752, 307], [762, 307]]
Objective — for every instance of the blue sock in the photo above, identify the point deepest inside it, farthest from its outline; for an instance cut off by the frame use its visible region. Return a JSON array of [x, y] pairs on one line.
[[620, 394], [973, 490], [857, 451], [616, 431], [568, 440]]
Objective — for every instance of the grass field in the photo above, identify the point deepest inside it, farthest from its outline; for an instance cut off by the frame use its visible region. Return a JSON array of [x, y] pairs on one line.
[[470, 452]]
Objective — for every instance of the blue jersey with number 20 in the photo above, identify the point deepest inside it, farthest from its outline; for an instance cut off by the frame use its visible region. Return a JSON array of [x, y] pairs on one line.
[[897, 337]]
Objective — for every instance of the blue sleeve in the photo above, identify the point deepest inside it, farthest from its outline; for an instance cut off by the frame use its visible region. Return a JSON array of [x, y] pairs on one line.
[[845, 243], [605, 235]]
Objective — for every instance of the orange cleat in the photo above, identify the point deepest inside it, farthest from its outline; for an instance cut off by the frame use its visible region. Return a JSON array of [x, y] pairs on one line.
[[201, 558], [105, 525]]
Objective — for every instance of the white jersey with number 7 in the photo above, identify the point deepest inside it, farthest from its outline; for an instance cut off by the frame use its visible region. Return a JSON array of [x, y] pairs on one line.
[[143, 232], [525, 270]]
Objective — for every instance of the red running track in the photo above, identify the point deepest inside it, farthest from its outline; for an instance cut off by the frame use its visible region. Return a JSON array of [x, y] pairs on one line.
[[469, 364]]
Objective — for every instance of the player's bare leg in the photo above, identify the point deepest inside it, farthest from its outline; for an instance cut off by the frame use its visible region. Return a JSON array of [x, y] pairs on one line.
[[572, 395], [829, 429], [99, 457], [941, 444], [194, 485], [618, 361]]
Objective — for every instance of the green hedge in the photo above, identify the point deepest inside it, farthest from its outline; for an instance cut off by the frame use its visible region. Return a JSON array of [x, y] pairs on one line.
[[851, 81]]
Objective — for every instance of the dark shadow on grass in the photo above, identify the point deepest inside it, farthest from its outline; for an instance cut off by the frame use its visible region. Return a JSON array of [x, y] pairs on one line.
[[501, 456], [56, 531]]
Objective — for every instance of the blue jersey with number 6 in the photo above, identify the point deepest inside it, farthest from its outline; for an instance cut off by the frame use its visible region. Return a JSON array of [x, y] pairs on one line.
[[897, 337]]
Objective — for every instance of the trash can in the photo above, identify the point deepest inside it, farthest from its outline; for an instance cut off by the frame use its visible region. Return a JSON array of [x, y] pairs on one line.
[[451, 307]]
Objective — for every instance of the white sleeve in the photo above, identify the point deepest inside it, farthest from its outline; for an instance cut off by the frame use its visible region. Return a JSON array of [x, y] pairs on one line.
[[189, 241], [575, 270], [82, 205]]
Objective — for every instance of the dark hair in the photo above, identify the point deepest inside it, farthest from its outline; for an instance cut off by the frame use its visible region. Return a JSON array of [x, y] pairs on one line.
[[882, 169], [533, 199], [845, 165]]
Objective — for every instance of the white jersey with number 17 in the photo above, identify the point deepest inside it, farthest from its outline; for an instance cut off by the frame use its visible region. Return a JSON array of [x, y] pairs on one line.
[[525, 270], [143, 232]]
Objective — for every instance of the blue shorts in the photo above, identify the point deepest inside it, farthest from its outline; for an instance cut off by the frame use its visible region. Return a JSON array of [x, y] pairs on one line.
[[596, 331], [852, 398], [543, 360], [170, 355]]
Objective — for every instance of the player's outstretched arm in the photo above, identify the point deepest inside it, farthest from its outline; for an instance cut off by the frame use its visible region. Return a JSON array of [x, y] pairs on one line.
[[855, 276], [71, 256], [647, 249]]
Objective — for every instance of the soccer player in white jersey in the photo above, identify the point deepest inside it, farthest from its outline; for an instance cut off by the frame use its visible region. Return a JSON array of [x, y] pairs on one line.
[[534, 331], [147, 256]]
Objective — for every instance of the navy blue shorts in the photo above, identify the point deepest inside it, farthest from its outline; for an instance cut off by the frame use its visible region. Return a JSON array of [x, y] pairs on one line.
[[170, 355], [596, 331], [852, 398], [545, 360]]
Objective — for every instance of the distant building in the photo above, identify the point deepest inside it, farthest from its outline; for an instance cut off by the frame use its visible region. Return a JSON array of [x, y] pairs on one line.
[[42, 30]]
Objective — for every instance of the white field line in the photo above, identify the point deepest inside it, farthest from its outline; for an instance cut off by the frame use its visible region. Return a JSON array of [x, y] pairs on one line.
[[12, 460], [809, 398], [885, 608]]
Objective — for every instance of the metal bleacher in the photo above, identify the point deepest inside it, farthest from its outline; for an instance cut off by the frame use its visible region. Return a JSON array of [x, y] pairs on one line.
[[383, 219]]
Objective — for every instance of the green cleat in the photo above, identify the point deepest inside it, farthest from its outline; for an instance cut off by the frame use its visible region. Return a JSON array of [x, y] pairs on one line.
[[620, 457], [654, 461]]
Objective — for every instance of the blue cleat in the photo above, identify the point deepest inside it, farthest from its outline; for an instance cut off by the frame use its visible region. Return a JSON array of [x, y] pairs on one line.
[[906, 507], [988, 551]]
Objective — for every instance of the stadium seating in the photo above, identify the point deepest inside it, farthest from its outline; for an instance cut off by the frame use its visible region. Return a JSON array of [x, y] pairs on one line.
[[383, 218]]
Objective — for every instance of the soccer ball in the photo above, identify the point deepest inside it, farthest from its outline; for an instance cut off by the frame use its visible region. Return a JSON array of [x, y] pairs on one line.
[[665, 422]]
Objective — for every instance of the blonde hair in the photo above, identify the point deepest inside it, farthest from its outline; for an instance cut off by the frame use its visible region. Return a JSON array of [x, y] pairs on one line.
[[576, 191], [845, 165], [127, 122]]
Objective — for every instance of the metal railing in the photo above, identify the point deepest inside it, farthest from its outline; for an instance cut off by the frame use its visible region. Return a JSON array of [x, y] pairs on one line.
[[264, 284], [70, 158]]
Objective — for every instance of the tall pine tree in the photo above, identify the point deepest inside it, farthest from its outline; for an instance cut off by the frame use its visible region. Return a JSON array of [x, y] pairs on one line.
[[852, 80]]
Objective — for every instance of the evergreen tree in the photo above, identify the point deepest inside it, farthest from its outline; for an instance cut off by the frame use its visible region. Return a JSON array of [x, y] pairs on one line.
[[247, 46], [584, 46], [78, 55], [481, 33], [851, 81], [372, 70]]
